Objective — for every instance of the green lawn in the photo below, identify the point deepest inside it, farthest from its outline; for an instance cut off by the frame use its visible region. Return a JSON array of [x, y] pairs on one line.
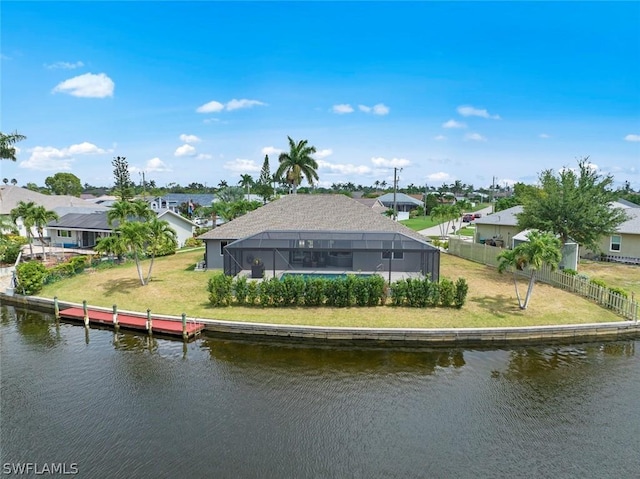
[[176, 288], [419, 223]]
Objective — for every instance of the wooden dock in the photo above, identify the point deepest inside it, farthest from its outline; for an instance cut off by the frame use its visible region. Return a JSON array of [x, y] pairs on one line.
[[138, 323]]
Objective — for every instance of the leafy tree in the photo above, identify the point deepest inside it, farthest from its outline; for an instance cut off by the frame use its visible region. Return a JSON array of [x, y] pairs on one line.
[[298, 163], [540, 249], [7, 142], [431, 202], [64, 184], [444, 215], [124, 187], [573, 205]]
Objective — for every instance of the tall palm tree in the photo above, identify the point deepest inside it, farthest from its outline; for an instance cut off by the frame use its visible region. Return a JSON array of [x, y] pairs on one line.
[[540, 249], [7, 150], [42, 216], [298, 163], [246, 181], [119, 211], [159, 234], [24, 211], [134, 234]]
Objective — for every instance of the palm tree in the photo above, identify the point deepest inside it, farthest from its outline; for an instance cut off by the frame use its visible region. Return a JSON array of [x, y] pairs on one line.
[[112, 244], [444, 215], [540, 249], [133, 234], [40, 217], [24, 211], [14, 182], [7, 150], [159, 235], [298, 163], [246, 181]]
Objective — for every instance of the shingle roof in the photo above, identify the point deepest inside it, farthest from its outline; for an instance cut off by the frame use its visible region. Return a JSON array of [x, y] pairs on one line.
[[309, 213], [80, 221], [632, 225], [401, 199], [10, 196], [503, 218]]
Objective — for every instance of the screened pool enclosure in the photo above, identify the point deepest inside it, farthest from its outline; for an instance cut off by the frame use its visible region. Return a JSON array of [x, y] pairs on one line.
[[372, 251]]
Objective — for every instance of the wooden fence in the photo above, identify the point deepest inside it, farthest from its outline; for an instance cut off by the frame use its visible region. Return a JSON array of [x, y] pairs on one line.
[[629, 308]]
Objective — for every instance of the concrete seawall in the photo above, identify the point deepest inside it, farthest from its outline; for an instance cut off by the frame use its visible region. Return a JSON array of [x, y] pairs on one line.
[[485, 337]]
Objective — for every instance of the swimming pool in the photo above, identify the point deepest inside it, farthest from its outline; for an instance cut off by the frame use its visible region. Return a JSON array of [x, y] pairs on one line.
[[325, 275]]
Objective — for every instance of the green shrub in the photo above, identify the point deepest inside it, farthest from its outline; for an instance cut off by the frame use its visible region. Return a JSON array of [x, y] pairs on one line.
[[315, 292], [292, 290], [598, 282], [241, 289], [220, 287], [619, 291], [78, 264], [398, 292], [10, 247], [377, 290], [447, 292], [570, 272], [31, 277], [461, 290], [432, 294], [252, 293], [193, 243], [361, 290]]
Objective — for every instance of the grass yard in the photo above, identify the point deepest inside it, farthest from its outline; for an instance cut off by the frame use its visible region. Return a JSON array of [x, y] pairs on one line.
[[176, 288], [622, 276], [419, 223]]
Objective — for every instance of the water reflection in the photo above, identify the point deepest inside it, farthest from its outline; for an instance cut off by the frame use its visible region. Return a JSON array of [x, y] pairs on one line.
[[31, 326], [297, 357]]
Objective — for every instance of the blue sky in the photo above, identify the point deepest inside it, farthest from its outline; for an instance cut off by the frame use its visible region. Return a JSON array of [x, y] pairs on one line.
[[201, 91]]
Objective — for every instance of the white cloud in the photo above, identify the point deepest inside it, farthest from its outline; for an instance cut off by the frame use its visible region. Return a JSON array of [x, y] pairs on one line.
[[48, 158], [323, 153], [189, 138], [240, 165], [439, 176], [440, 137], [63, 65], [271, 150], [544, 135], [87, 86], [344, 169], [392, 163], [84, 148], [156, 164], [342, 109], [468, 110], [453, 124], [216, 106], [632, 138], [211, 107], [185, 150], [244, 103], [378, 109], [204, 156], [474, 137]]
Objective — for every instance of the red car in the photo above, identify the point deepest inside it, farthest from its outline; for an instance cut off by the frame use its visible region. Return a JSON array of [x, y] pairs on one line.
[[468, 218], [477, 215]]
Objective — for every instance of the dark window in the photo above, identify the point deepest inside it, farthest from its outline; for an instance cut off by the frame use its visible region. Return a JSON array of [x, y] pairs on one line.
[[222, 245]]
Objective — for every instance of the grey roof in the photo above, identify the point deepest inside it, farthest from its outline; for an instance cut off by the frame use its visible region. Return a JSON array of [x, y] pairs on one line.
[[168, 212], [84, 222], [10, 196], [502, 218], [309, 213], [401, 199], [632, 225]]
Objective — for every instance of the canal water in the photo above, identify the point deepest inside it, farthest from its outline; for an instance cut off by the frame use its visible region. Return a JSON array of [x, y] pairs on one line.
[[127, 406]]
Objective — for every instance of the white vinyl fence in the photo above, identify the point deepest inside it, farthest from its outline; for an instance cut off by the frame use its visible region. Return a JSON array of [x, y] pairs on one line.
[[629, 308]]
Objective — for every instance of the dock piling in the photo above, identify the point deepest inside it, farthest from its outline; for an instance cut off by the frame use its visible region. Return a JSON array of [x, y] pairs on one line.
[[185, 335], [56, 308], [149, 321], [115, 317], [86, 313]]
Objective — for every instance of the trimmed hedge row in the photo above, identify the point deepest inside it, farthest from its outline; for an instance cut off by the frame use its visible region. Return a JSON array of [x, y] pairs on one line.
[[349, 291]]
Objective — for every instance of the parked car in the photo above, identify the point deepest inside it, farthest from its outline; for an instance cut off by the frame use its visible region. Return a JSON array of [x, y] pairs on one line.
[[467, 218], [477, 215]]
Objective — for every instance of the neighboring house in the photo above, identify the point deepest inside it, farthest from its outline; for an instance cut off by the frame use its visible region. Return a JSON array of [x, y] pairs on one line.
[[498, 229], [624, 245], [83, 230], [10, 196], [373, 203], [404, 202], [501, 228], [183, 227], [320, 232], [172, 201]]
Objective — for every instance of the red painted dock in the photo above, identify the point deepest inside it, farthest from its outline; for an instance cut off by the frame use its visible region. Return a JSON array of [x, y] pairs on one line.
[[127, 321]]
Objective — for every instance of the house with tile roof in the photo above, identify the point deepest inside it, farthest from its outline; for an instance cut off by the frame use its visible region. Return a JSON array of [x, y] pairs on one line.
[[319, 232]]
